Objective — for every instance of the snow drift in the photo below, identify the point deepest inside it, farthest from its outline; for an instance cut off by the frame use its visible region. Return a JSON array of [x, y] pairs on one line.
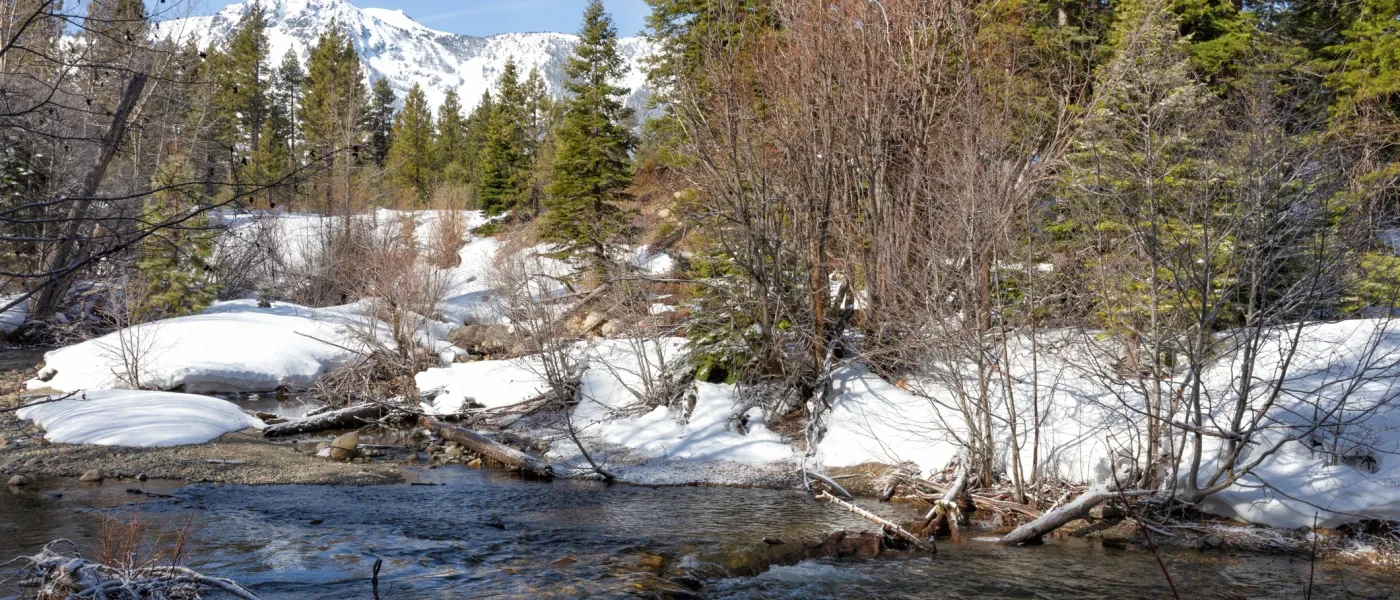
[[138, 418]]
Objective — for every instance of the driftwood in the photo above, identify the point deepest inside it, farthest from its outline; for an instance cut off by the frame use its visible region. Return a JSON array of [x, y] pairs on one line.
[[945, 509], [59, 575], [889, 526], [344, 418], [490, 448], [830, 482], [982, 502], [1075, 509]]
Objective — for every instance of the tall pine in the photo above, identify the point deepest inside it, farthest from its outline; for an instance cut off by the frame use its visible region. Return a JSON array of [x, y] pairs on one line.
[[411, 163], [504, 164], [379, 120], [593, 164], [451, 136], [333, 99], [241, 96]]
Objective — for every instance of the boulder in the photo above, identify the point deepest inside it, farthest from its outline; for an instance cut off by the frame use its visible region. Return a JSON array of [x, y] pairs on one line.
[[592, 321], [343, 447], [610, 329], [91, 476], [19, 481]]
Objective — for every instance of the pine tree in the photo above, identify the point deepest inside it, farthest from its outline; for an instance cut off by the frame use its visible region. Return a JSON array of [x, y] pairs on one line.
[[540, 118], [285, 94], [333, 99], [411, 163], [1136, 180], [593, 164], [379, 121], [174, 261], [474, 137], [241, 98], [504, 164], [451, 139]]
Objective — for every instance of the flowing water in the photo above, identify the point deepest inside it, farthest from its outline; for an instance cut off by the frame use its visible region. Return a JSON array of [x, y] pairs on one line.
[[486, 533], [456, 533]]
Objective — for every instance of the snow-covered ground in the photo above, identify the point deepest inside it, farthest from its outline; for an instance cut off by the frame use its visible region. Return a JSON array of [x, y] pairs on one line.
[[232, 346], [1344, 373], [11, 319], [137, 418]]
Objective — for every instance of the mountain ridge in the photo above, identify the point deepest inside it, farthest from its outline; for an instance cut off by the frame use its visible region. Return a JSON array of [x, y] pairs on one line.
[[394, 46]]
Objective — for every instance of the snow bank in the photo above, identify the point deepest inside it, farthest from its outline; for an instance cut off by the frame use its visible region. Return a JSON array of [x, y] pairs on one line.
[[231, 347], [610, 387], [12, 319], [491, 383], [138, 418]]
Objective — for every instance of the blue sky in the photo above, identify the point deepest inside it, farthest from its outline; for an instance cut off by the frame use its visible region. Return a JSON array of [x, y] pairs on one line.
[[486, 17]]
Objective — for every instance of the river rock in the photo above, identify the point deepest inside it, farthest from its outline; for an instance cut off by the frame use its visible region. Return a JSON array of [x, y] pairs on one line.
[[591, 322], [611, 328], [3, 441], [343, 447], [142, 477], [19, 481], [31, 463], [91, 476]]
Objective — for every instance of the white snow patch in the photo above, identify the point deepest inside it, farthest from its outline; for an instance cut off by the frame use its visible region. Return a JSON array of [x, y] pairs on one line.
[[12, 319], [138, 418], [231, 347]]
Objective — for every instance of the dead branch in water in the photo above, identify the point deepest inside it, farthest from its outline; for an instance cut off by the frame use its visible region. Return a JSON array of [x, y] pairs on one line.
[[490, 448], [889, 526], [1056, 518], [59, 575], [345, 418]]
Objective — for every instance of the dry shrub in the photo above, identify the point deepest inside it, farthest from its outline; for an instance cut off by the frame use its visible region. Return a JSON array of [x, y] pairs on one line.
[[334, 261], [449, 235], [401, 291]]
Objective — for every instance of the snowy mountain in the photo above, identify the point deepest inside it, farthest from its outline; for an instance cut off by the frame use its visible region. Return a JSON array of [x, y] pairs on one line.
[[393, 45]]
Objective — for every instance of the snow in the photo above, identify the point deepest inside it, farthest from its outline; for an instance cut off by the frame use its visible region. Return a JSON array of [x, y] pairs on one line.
[[608, 389], [12, 319], [138, 418], [491, 383], [231, 347], [393, 46]]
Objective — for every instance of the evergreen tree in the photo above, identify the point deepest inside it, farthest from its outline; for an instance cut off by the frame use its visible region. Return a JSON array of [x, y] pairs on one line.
[[411, 163], [379, 121], [1365, 76], [1136, 174], [241, 98], [285, 94], [474, 137], [174, 261], [540, 117], [593, 163], [333, 99], [504, 164], [451, 139]]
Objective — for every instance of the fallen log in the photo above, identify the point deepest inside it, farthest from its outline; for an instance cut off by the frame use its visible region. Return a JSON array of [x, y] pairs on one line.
[[489, 448], [344, 418], [945, 509], [889, 526], [1075, 509]]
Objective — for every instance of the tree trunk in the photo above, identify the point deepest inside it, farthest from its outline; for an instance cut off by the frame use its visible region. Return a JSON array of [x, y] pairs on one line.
[[1076, 509], [345, 418], [889, 526], [56, 286], [490, 448]]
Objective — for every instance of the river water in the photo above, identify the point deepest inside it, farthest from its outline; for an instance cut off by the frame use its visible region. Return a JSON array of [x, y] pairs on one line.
[[482, 533]]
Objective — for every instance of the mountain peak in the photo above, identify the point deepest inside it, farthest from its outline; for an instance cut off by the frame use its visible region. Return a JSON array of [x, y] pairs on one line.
[[392, 45]]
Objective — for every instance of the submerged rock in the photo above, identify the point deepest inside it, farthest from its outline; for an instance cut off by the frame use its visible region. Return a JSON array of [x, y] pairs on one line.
[[19, 481], [91, 476]]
